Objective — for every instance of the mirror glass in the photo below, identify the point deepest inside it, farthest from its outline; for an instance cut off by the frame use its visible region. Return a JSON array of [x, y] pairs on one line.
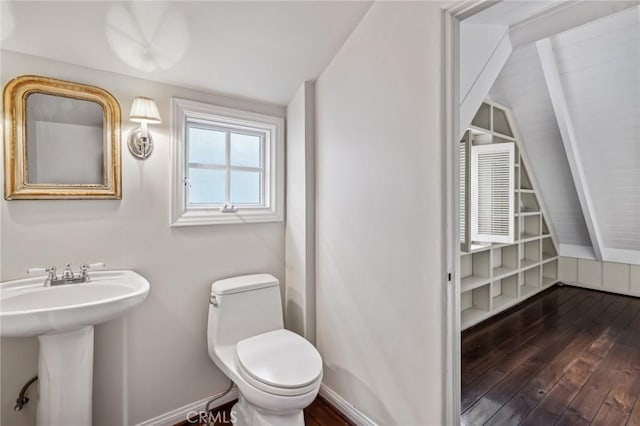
[[65, 140], [62, 140]]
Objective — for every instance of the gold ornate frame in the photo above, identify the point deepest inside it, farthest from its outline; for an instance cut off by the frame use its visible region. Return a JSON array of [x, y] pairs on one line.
[[16, 185]]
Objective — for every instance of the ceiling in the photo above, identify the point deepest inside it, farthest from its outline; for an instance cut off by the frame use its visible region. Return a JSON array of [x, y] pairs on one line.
[[598, 72], [257, 50]]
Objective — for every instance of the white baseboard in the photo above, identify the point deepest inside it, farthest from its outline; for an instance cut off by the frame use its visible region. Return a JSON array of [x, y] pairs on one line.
[[180, 414], [606, 289], [345, 408]]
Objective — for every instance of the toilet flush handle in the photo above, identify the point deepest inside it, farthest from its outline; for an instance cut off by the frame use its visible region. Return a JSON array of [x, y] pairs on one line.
[[213, 300]]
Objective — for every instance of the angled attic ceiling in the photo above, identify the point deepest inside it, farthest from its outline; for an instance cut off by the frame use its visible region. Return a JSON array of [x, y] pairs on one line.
[[572, 79], [254, 49]]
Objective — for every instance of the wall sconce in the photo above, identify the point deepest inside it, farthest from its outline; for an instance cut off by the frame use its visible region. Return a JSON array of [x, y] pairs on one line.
[[143, 111]]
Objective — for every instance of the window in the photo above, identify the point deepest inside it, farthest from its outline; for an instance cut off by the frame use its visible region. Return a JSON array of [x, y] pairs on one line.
[[227, 165], [492, 193]]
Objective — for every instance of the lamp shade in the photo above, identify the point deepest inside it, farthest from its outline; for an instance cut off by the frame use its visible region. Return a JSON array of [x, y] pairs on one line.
[[145, 109]]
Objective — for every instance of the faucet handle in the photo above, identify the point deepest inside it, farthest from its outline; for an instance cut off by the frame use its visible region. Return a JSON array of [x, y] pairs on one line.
[[84, 269], [42, 271]]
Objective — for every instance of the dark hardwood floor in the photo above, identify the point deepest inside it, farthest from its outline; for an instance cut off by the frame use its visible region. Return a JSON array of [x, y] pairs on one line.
[[319, 413], [568, 356]]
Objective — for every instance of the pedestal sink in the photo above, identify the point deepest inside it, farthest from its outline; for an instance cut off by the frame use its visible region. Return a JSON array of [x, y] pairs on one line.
[[63, 318]]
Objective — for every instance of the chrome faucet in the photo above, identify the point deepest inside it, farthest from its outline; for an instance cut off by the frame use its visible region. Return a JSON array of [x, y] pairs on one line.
[[68, 276]]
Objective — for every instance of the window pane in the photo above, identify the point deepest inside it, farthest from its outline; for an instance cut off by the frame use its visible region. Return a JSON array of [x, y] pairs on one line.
[[245, 150], [245, 187], [207, 186], [206, 146]]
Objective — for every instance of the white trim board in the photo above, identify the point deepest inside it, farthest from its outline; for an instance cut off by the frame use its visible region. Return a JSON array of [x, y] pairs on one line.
[[607, 290], [569, 140], [631, 257], [348, 410], [180, 414], [477, 93]]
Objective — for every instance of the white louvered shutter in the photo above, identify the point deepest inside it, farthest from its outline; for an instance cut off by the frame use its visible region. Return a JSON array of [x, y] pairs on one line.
[[462, 158], [492, 193]]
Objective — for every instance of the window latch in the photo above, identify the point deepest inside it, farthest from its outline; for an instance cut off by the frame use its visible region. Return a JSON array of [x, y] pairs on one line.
[[187, 182], [228, 208]]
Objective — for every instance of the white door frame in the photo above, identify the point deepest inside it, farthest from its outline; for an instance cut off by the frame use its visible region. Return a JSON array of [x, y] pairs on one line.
[[452, 15]]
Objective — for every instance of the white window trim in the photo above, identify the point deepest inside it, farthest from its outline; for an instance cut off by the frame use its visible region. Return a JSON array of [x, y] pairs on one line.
[[183, 110]]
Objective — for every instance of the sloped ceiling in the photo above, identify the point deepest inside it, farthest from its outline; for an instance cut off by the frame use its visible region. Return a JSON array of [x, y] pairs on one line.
[[598, 64], [256, 49], [522, 87], [599, 67]]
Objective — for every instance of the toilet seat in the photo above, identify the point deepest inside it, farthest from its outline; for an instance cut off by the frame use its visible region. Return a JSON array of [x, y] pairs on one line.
[[279, 362]]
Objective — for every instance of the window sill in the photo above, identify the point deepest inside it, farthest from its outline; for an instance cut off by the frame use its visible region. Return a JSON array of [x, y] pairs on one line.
[[215, 217]]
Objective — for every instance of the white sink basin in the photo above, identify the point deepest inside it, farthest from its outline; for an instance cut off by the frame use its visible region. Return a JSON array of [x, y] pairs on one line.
[[27, 308], [63, 317]]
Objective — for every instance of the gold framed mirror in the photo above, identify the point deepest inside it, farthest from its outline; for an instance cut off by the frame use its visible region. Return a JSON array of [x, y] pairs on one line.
[[61, 140]]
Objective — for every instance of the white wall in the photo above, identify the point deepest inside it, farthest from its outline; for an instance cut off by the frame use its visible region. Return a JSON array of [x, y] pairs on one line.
[[379, 216], [484, 49], [614, 277], [300, 229], [155, 359]]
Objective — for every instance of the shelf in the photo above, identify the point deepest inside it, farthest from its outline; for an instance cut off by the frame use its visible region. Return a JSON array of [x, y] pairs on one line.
[[496, 277], [528, 263], [548, 249], [472, 316], [525, 182], [549, 273], [526, 212], [501, 301], [503, 271], [471, 282], [523, 214], [474, 248], [482, 119], [529, 201], [475, 270], [531, 277], [475, 130], [530, 250]]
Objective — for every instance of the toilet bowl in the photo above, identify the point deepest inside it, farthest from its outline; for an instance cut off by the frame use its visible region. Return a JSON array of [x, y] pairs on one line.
[[277, 372]]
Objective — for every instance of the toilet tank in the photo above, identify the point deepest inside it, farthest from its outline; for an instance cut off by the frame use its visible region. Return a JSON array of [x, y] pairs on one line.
[[242, 307]]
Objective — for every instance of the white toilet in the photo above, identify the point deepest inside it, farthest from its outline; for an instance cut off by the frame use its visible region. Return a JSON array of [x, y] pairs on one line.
[[278, 373]]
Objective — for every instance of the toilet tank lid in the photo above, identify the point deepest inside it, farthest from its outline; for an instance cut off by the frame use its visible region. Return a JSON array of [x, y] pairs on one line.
[[243, 283]]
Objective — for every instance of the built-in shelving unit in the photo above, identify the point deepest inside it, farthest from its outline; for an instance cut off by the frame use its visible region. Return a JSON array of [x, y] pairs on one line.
[[495, 277]]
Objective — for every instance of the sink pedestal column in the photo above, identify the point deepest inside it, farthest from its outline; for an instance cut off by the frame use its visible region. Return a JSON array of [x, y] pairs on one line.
[[65, 372]]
